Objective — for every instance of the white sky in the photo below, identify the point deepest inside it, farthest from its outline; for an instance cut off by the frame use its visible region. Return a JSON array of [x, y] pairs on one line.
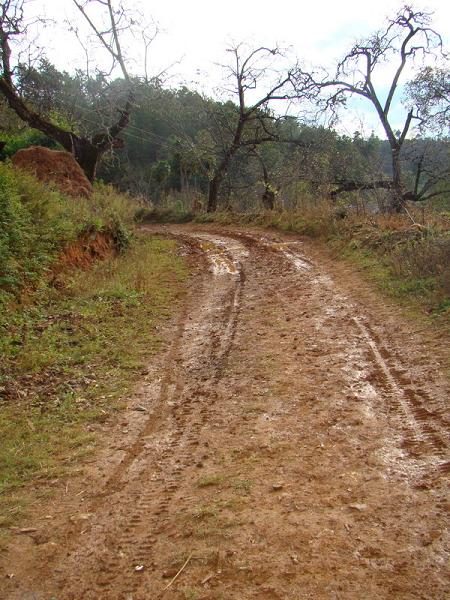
[[198, 31]]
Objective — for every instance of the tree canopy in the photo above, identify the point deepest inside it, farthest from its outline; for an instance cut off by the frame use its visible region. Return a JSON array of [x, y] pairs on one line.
[[149, 138]]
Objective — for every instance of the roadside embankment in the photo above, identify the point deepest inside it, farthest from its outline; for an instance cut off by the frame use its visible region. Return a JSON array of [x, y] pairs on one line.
[[82, 299]]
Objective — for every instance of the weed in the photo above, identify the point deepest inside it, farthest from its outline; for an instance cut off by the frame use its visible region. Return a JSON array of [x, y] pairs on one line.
[[205, 512], [242, 486], [253, 409], [210, 480]]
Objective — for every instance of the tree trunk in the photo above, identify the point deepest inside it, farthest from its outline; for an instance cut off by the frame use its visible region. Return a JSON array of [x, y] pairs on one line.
[[87, 156], [268, 198], [397, 201], [214, 186], [216, 181], [353, 186]]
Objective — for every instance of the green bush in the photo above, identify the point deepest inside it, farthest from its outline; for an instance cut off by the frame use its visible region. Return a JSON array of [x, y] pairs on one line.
[[37, 222], [32, 229], [25, 139]]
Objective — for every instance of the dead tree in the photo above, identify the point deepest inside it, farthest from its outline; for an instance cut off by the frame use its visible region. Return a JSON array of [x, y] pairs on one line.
[[270, 191], [245, 73], [86, 150], [405, 39]]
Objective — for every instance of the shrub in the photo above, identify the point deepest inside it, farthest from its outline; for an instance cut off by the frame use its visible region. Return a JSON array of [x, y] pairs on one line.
[[37, 222], [25, 139], [32, 229]]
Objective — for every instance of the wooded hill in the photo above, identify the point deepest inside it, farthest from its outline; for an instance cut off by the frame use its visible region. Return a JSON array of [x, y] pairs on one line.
[[151, 140], [175, 138]]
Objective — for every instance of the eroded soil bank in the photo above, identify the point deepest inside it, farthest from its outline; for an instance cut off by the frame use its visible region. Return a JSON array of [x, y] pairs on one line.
[[291, 443]]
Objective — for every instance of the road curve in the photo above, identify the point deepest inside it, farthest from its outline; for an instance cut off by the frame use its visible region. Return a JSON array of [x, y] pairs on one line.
[[284, 447]]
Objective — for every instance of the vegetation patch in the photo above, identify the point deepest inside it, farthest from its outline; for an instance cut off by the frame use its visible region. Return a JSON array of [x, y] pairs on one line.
[[70, 358], [37, 223], [73, 341], [210, 480]]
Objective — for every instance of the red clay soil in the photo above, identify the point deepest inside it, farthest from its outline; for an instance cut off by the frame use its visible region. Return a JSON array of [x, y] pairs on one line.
[[291, 443], [54, 166], [86, 250]]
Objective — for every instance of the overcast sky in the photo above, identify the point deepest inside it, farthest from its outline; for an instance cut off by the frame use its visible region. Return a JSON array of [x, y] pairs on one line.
[[194, 35]]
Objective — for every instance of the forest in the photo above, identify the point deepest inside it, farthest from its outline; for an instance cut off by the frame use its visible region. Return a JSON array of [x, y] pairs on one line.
[[275, 140]]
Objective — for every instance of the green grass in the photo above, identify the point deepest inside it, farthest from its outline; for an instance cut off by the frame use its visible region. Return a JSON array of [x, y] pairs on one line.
[[70, 354], [37, 222], [243, 486]]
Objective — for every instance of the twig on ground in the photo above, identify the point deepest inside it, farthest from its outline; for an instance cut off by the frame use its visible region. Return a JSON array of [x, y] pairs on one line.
[[409, 215], [179, 572]]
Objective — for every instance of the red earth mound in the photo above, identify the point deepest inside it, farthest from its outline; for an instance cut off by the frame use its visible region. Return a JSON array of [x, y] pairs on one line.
[[54, 166]]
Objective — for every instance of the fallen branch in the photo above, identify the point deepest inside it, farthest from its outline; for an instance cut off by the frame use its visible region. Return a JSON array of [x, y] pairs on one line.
[[352, 186]]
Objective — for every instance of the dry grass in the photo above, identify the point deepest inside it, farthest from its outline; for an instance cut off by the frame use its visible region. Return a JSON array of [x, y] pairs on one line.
[[408, 256]]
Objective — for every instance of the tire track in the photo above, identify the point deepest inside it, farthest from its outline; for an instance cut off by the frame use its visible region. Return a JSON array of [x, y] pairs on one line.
[[424, 421], [144, 484]]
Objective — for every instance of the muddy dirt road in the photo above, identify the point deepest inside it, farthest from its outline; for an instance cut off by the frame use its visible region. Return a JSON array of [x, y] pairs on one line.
[[291, 443]]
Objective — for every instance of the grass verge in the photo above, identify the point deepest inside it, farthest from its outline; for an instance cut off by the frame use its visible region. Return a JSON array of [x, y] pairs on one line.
[[71, 352]]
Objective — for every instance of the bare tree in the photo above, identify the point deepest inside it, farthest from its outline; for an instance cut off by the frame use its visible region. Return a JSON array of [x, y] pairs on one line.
[[249, 124], [406, 38], [86, 150]]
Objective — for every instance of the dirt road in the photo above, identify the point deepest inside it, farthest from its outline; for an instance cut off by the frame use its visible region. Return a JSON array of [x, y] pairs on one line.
[[292, 443]]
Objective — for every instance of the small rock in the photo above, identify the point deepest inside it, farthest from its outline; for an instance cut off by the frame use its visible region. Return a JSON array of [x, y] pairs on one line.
[[49, 549], [359, 507], [431, 537], [26, 530], [169, 573], [139, 568], [80, 517], [41, 538], [277, 486]]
